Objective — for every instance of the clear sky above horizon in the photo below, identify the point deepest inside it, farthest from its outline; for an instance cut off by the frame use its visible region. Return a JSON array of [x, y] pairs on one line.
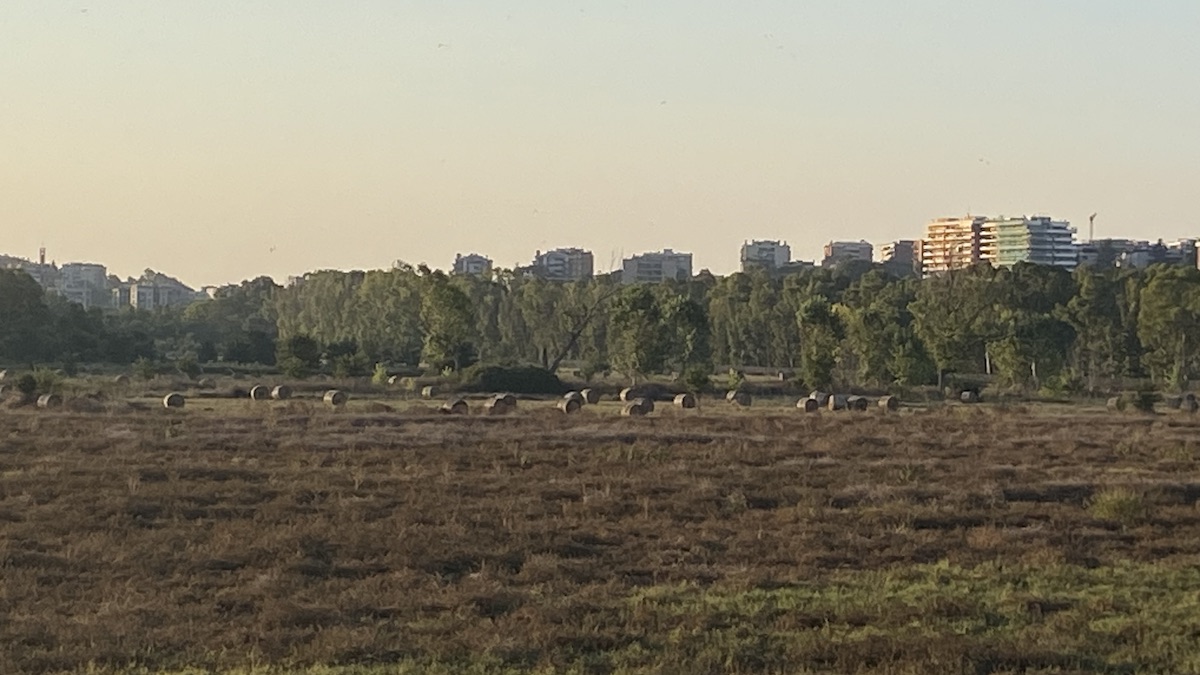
[[221, 140]]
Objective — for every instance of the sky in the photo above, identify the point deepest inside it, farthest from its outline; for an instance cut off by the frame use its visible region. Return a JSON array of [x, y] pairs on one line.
[[222, 140]]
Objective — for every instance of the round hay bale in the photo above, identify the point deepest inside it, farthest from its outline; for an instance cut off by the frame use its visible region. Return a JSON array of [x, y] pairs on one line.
[[48, 401], [574, 396], [121, 379], [837, 402], [500, 404], [570, 406], [627, 394], [647, 404], [857, 403], [1117, 404], [634, 408], [808, 405], [590, 396], [1173, 402], [281, 393], [455, 406], [259, 393], [969, 396], [820, 397], [497, 405], [685, 402], [739, 398], [428, 392], [393, 380], [336, 398], [174, 400], [889, 403]]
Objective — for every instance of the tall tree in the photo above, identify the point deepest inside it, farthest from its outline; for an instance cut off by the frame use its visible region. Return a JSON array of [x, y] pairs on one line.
[[1169, 324], [448, 322]]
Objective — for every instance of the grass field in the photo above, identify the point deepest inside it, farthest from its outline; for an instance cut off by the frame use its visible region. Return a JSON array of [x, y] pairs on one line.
[[287, 537]]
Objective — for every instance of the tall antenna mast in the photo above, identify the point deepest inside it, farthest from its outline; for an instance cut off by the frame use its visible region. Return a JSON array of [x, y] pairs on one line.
[[1092, 228]]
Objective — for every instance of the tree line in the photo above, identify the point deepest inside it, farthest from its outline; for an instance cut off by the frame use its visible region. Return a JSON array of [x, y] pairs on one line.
[[1028, 326]]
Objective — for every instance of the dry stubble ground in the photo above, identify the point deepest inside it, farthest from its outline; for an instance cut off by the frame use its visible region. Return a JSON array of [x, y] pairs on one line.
[[294, 538]]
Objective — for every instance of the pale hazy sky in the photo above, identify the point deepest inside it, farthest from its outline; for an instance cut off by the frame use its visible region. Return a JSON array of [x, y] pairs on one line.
[[222, 139]]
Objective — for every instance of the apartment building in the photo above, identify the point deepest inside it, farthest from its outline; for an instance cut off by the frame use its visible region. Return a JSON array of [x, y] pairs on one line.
[[656, 267], [839, 252], [1040, 240], [766, 254], [951, 243], [472, 264], [563, 264], [901, 258]]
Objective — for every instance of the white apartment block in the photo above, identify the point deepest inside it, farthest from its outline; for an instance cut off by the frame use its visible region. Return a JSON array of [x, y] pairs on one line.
[[472, 264], [766, 254], [564, 264], [838, 252], [657, 267]]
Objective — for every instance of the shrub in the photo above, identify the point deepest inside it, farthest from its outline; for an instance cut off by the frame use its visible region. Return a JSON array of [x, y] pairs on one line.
[[380, 375], [697, 379], [517, 379], [1144, 400], [591, 368], [189, 367], [145, 368], [47, 380], [27, 384], [1121, 505], [350, 365], [298, 355]]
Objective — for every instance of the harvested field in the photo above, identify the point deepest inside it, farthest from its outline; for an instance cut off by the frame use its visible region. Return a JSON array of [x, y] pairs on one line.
[[291, 537]]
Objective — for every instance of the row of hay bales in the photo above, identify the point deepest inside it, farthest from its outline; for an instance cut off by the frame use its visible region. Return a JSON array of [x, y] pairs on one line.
[[819, 400], [333, 397], [1186, 403], [278, 393], [500, 404]]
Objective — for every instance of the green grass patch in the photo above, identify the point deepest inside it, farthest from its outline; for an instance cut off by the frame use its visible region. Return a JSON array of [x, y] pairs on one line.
[[940, 618]]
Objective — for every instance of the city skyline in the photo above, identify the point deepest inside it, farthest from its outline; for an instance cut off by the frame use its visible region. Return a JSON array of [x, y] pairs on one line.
[[226, 142], [946, 243]]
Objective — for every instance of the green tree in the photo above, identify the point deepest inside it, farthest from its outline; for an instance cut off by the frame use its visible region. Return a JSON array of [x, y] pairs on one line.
[[447, 319], [950, 315], [820, 336], [299, 356], [1169, 324], [25, 319], [640, 336], [1095, 313]]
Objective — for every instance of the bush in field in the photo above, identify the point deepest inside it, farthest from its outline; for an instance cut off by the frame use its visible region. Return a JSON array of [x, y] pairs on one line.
[[27, 384], [697, 379], [190, 367], [1143, 401], [379, 377], [516, 379], [145, 368], [350, 365], [47, 380], [1119, 504], [298, 356]]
